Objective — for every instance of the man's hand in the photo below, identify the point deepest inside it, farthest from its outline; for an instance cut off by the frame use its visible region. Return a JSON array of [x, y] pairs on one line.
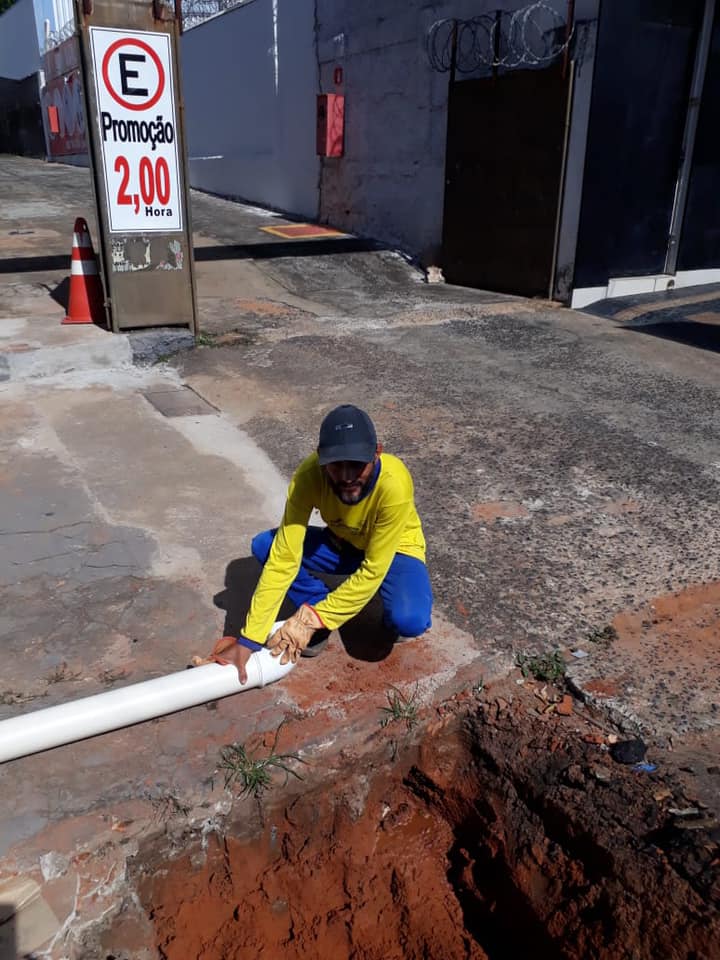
[[295, 634], [228, 650]]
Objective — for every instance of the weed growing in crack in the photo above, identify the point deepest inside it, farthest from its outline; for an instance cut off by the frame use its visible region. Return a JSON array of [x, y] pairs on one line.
[[603, 635], [252, 773], [10, 698], [400, 707], [62, 673], [166, 806], [549, 667], [109, 677], [204, 339]]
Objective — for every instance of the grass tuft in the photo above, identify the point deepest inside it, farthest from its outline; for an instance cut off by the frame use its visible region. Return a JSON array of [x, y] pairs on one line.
[[63, 673], [400, 707], [252, 773], [166, 805], [603, 635], [549, 667]]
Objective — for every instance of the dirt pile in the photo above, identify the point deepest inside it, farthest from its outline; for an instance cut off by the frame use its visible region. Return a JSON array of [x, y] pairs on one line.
[[508, 833]]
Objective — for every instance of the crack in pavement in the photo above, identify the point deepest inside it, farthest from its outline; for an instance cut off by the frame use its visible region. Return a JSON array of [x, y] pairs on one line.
[[63, 526], [52, 556]]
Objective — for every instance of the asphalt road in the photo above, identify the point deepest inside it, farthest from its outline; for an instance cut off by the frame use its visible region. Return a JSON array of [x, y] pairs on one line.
[[566, 466]]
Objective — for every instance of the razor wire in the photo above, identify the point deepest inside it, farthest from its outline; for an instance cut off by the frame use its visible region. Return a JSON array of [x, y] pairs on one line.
[[55, 37], [532, 35], [195, 12]]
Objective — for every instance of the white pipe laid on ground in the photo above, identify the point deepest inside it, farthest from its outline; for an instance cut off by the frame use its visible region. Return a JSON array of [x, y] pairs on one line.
[[68, 722]]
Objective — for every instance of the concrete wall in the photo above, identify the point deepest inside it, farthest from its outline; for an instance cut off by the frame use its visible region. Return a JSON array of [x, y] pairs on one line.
[[390, 183], [249, 84], [19, 50], [251, 133]]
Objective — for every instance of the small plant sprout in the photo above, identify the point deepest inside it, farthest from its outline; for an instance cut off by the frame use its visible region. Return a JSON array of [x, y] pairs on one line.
[[62, 673], [603, 635], [549, 667], [253, 774], [166, 805], [400, 707]]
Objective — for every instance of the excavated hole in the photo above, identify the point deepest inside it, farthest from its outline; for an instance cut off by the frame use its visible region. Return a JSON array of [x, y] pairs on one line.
[[500, 837]]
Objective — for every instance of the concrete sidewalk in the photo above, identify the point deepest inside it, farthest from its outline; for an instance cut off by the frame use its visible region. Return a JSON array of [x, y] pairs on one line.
[[128, 502], [566, 471]]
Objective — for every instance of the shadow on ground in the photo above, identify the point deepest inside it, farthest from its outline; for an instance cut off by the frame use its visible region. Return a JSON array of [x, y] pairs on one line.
[[689, 315], [262, 250], [364, 637], [704, 336], [8, 943], [280, 248], [60, 293]]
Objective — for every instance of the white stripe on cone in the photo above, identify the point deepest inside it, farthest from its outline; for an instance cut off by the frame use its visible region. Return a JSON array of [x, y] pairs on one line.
[[83, 268], [82, 239]]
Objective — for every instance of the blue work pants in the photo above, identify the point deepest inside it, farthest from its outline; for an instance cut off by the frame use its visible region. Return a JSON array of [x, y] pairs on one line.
[[405, 592]]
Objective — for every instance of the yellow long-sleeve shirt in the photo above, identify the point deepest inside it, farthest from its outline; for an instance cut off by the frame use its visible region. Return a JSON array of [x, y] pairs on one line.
[[383, 523]]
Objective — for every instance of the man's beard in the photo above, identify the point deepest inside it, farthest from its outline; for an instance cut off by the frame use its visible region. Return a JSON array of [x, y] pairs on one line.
[[349, 497]]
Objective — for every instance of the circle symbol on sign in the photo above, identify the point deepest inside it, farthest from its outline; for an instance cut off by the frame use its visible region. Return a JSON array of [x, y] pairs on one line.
[[146, 48]]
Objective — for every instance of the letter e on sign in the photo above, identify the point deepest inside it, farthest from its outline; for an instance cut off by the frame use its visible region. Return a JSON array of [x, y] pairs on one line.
[[137, 127]]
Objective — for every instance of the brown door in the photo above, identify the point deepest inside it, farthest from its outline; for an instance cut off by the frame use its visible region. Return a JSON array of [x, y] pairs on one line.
[[503, 172]]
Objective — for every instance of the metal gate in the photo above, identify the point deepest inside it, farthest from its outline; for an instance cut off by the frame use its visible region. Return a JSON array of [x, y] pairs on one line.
[[644, 63], [502, 183]]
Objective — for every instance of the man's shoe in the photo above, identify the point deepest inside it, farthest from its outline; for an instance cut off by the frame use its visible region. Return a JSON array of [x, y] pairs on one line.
[[319, 642]]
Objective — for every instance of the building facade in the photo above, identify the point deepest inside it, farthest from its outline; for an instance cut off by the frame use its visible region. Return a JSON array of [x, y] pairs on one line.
[[555, 148]]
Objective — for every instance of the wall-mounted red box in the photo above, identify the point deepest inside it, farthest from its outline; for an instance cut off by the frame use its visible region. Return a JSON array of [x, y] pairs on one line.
[[53, 119]]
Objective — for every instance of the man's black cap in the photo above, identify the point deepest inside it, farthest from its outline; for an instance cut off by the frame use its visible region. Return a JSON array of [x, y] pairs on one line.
[[347, 433]]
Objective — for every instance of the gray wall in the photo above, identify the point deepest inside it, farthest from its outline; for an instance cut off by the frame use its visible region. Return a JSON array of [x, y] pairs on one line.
[[390, 183], [250, 112], [19, 51]]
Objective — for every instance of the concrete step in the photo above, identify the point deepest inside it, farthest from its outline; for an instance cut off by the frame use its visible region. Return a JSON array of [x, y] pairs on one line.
[[32, 349]]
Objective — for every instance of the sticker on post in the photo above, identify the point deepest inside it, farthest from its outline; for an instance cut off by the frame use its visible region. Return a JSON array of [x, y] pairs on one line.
[[138, 129]]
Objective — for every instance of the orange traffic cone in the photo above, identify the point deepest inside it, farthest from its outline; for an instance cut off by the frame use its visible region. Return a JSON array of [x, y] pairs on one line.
[[85, 303]]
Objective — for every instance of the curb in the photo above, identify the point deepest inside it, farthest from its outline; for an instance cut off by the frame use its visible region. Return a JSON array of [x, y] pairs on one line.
[[105, 352]]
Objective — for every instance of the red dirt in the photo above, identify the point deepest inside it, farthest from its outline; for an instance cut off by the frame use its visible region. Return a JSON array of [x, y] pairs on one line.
[[664, 665], [512, 834], [494, 510], [689, 618]]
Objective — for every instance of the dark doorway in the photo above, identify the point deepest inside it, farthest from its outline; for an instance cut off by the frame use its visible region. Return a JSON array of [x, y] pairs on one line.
[[644, 62], [503, 173], [700, 239], [21, 128]]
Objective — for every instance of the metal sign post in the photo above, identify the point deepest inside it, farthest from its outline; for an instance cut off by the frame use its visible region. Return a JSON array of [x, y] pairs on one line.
[[134, 109]]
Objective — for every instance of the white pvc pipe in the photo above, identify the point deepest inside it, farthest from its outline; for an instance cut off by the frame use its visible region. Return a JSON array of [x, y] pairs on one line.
[[68, 722]]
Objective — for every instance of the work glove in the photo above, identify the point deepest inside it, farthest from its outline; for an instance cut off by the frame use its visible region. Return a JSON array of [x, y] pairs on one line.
[[295, 634]]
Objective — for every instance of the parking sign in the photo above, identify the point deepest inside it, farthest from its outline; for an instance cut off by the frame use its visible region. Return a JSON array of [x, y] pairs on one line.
[[138, 131]]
